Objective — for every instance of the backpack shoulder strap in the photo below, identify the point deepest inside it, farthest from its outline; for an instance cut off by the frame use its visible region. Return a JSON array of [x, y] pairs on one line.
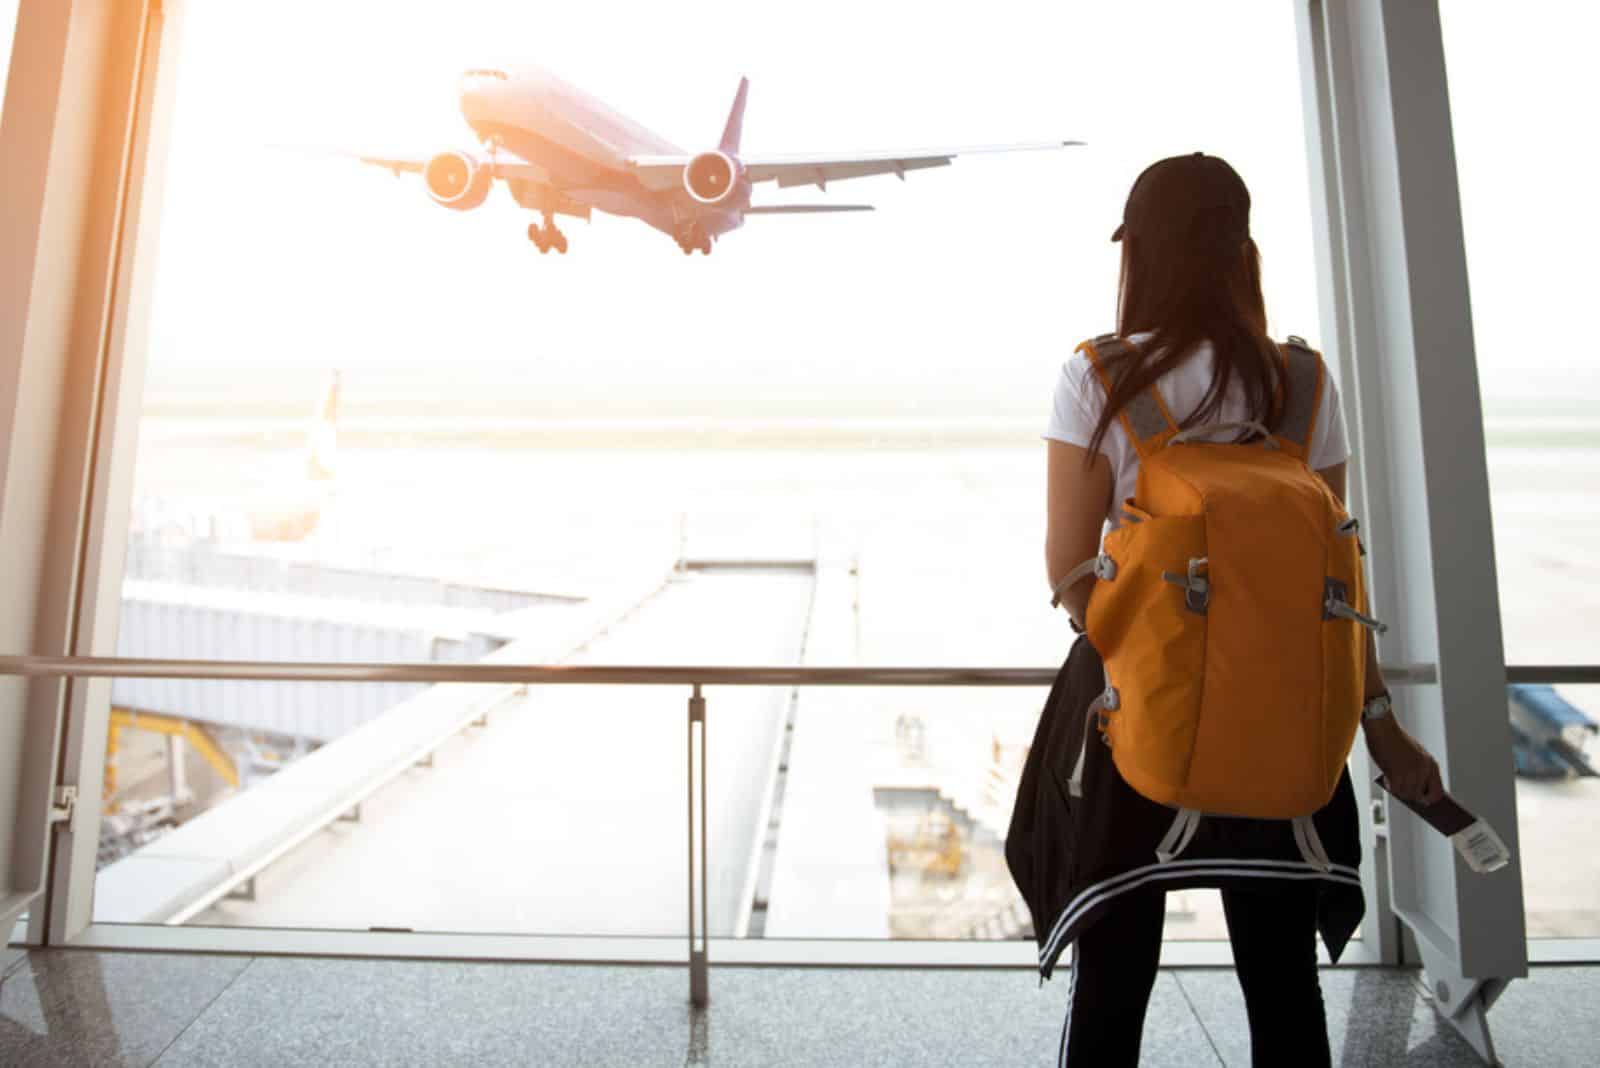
[[1145, 418], [1301, 388]]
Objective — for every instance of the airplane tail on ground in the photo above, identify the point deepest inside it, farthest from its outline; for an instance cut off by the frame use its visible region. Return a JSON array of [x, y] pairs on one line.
[[734, 130], [323, 438]]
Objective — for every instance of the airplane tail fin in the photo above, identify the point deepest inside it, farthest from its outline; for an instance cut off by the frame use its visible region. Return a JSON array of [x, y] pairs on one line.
[[735, 126], [323, 439]]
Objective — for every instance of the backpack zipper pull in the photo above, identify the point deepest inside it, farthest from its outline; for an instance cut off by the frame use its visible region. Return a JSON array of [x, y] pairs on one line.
[[1352, 528]]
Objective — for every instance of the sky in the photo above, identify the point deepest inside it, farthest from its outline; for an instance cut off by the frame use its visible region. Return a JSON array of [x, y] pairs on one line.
[[1523, 83], [966, 289], [970, 281]]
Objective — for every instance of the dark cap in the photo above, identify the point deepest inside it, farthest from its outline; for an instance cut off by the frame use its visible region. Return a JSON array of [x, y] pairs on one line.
[[1171, 194]]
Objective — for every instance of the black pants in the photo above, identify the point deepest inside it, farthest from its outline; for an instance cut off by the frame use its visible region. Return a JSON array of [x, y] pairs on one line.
[[1273, 931]]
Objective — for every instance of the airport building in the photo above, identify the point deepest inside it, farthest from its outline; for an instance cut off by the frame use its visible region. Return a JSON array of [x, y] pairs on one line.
[[420, 648]]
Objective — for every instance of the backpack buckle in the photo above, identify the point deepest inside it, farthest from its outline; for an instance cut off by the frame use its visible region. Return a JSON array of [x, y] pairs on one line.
[[1195, 585], [1336, 605], [1107, 703]]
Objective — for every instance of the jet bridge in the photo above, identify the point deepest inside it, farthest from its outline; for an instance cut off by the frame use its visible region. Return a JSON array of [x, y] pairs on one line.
[[372, 831]]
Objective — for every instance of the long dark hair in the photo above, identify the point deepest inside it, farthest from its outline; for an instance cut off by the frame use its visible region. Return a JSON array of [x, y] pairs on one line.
[[1189, 287]]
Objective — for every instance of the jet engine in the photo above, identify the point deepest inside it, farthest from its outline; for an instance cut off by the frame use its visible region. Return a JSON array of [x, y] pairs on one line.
[[712, 177], [457, 181]]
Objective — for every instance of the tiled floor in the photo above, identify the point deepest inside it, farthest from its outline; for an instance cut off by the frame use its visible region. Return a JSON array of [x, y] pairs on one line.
[[83, 1009]]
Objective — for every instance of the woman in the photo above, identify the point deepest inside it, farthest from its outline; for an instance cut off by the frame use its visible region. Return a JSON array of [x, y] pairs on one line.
[[1190, 306]]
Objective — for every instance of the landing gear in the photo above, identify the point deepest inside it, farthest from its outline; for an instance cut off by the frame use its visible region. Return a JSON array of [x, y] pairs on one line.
[[690, 242], [547, 237]]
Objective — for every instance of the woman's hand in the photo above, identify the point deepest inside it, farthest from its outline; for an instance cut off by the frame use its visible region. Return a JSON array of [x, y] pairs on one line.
[[1410, 770]]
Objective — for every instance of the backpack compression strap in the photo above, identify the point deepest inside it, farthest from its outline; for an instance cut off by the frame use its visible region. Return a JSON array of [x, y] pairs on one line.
[[1145, 418], [1304, 375]]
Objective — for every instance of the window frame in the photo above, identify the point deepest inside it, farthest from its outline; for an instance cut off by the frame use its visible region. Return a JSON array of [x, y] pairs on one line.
[[1346, 111]]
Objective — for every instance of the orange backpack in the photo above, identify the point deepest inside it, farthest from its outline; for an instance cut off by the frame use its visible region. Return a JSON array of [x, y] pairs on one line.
[[1229, 612]]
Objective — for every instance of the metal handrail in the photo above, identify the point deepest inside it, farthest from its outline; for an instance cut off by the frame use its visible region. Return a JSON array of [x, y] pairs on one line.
[[571, 674], [521, 674], [1554, 674], [589, 674]]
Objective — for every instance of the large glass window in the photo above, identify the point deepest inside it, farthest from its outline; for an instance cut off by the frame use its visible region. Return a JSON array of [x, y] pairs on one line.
[[1529, 222], [376, 428]]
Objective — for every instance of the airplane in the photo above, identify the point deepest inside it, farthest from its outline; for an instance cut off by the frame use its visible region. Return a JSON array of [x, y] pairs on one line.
[[285, 501], [562, 152]]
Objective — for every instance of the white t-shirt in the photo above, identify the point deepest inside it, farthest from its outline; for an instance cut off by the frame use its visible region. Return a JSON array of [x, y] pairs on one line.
[[1080, 398]]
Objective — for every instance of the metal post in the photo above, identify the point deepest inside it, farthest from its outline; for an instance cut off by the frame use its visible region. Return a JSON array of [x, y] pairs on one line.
[[699, 939], [178, 770]]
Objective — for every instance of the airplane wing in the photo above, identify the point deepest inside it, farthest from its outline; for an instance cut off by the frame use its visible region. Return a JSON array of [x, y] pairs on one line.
[[805, 209], [506, 164], [818, 169]]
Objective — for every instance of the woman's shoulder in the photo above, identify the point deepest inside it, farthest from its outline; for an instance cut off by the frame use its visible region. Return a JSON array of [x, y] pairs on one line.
[[1079, 370], [1078, 378]]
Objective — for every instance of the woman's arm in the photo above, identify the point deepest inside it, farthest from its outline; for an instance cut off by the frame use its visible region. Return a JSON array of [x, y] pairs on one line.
[[1078, 499], [1410, 770]]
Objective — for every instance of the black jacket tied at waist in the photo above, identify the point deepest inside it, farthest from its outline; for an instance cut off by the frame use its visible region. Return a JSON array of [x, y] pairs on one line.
[[1072, 857]]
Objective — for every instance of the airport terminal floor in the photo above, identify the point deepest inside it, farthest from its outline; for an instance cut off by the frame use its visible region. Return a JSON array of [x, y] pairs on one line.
[[74, 1009]]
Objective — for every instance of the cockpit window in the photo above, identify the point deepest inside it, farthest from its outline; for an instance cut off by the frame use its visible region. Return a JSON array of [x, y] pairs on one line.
[[486, 73]]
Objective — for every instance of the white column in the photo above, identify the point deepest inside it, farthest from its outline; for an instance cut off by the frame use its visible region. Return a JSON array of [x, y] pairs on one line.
[[1395, 295]]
